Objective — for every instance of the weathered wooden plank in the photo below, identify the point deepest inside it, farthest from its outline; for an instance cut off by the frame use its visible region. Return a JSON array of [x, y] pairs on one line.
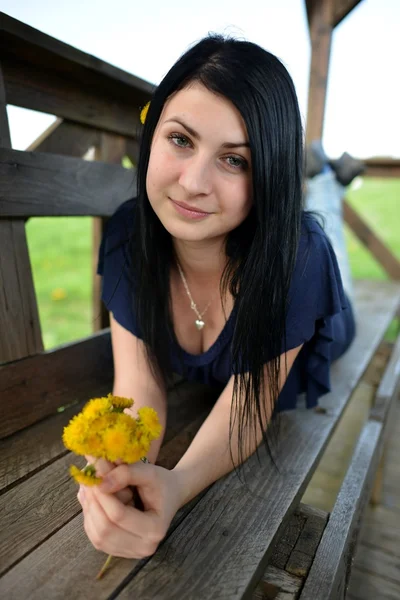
[[46, 90], [36, 387], [329, 574], [302, 556], [320, 25], [381, 529], [388, 386], [66, 138], [367, 586], [382, 167], [5, 139], [21, 39], [293, 551], [48, 499], [19, 317], [36, 184], [225, 543], [383, 564], [27, 451], [110, 149], [277, 585], [369, 238]]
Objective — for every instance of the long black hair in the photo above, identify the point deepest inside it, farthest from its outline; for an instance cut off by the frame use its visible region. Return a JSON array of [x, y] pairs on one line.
[[261, 252]]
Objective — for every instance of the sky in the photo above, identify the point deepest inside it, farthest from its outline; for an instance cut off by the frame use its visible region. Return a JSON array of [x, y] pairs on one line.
[[145, 38]]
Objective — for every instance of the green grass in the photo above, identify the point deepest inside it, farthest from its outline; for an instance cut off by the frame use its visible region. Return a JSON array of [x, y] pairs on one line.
[[60, 250]]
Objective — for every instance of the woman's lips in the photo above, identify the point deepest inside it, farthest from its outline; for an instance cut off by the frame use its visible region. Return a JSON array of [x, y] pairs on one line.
[[187, 211]]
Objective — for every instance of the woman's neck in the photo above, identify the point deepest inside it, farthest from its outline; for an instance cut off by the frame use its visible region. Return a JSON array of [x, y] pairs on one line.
[[200, 260]]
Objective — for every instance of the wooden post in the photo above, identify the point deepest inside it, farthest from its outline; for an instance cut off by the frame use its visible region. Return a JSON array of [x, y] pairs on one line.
[[19, 317], [111, 148], [320, 20]]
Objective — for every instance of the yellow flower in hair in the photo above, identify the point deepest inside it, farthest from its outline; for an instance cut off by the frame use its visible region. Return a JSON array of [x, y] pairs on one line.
[[85, 477], [143, 113], [148, 420]]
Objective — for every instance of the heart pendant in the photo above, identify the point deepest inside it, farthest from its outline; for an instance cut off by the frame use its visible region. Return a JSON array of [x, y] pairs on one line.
[[199, 323]]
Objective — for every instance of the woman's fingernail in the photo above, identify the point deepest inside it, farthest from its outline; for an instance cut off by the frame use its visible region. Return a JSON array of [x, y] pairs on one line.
[[82, 494]]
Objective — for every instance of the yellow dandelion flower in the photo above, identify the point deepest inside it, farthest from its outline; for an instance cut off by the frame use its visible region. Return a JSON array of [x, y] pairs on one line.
[[136, 450], [85, 477], [118, 402], [75, 432], [94, 445], [143, 113], [97, 407], [148, 420], [115, 440]]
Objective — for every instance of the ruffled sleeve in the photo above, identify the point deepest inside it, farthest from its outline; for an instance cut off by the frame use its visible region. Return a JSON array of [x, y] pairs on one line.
[[115, 267], [319, 314]]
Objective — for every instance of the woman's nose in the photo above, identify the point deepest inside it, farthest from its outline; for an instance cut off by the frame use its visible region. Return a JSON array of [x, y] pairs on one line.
[[195, 176]]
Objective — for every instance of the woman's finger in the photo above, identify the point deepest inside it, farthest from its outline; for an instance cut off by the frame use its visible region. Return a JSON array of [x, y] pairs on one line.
[[143, 524], [108, 537]]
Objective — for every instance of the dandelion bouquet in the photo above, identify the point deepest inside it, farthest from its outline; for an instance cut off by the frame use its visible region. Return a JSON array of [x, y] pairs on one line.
[[104, 430]]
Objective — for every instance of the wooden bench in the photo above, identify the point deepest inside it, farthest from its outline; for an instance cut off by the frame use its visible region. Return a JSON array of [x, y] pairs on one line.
[[234, 540]]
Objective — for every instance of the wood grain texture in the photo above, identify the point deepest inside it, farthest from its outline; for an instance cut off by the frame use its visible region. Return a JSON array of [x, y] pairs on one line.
[[366, 586], [388, 386], [24, 453], [330, 571], [36, 184], [19, 317], [5, 139], [110, 149], [45, 501], [371, 241], [320, 16], [21, 40], [225, 543], [36, 387], [66, 138]]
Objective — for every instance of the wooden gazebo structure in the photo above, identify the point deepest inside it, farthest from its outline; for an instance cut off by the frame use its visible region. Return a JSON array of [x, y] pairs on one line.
[[43, 552]]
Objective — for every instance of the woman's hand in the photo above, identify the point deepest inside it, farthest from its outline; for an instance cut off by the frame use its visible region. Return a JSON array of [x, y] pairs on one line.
[[122, 530], [102, 468]]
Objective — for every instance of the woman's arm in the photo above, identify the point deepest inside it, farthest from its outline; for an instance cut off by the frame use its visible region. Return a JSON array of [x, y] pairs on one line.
[[125, 531], [133, 378], [208, 457]]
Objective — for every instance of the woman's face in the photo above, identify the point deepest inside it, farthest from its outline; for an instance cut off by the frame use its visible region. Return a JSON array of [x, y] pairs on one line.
[[199, 174]]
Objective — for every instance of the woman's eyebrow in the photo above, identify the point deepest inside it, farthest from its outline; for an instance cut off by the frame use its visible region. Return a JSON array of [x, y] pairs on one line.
[[194, 134]]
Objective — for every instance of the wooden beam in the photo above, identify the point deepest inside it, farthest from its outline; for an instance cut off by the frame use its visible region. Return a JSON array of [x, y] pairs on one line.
[[342, 8], [51, 92], [111, 149], [67, 138], [34, 388], [36, 184], [382, 167], [366, 235], [320, 24], [19, 318], [31, 46]]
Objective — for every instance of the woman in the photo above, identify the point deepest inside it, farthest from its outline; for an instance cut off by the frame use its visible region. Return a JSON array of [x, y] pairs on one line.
[[214, 271]]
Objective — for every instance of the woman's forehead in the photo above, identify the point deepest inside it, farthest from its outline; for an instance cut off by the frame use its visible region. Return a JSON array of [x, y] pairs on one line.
[[198, 106]]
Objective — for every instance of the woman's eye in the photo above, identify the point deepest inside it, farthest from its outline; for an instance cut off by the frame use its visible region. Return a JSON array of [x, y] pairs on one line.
[[179, 140], [236, 162]]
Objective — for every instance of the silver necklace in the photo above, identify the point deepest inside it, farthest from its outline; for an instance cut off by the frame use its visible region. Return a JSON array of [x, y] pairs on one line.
[[199, 322]]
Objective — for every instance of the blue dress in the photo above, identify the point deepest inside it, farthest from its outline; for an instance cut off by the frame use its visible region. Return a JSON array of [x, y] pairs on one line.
[[319, 314]]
